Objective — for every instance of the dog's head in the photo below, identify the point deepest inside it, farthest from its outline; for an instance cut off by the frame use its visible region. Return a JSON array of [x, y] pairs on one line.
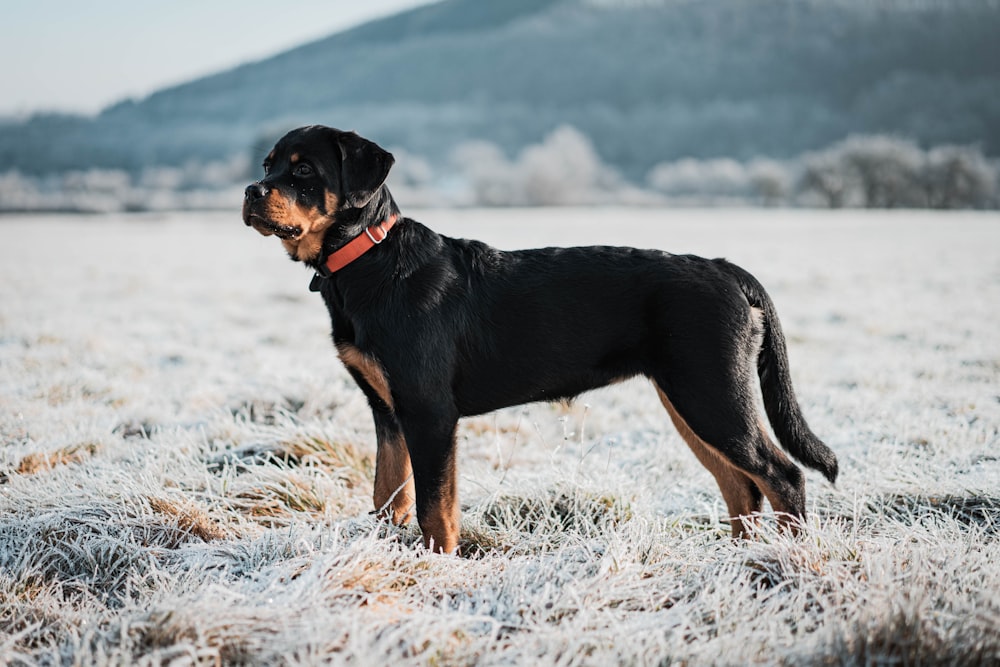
[[312, 174]]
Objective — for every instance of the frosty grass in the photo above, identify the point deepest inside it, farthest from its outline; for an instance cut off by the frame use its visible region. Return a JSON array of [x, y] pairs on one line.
[[186, 469]]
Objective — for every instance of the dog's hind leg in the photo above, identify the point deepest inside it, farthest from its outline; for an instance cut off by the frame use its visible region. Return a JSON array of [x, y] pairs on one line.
[[744, 499], [707, 381], [720, 424]]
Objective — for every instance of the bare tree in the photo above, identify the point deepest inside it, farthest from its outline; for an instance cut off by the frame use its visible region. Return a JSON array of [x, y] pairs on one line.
[[888, 169], [959, 177], [823, 176], [770, 181]]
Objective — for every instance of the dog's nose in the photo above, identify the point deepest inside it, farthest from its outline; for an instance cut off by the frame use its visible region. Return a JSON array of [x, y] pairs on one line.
[[255, 191]]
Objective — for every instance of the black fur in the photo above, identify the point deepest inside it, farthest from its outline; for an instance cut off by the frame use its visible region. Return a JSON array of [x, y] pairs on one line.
[[461, 328]]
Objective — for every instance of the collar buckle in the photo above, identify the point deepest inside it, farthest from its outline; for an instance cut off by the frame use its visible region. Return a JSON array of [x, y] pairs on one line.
[[381, 228]]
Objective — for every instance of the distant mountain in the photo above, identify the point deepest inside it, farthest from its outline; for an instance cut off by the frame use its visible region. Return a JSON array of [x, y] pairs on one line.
[[645, 80]]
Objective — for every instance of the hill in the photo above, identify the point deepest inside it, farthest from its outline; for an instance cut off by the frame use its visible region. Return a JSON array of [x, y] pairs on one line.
[[644, 80]]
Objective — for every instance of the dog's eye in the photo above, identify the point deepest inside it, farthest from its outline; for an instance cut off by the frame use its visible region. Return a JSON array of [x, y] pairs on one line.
[[303, 170], [267, 168]]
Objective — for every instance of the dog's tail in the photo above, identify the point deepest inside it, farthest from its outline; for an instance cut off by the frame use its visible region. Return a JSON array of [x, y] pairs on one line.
[[783, 410]]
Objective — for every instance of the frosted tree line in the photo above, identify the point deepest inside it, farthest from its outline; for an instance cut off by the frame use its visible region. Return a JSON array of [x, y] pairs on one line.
[[564, 169]]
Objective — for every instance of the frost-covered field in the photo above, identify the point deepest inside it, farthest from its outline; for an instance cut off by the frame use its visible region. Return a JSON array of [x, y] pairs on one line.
[[186, 469]]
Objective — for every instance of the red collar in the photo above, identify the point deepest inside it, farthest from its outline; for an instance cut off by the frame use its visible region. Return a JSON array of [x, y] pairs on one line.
[[359, 245]]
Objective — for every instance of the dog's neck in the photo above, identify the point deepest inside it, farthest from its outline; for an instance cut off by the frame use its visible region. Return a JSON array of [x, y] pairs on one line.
[[354, 223]]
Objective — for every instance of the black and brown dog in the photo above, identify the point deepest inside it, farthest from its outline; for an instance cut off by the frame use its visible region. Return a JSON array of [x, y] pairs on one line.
[[433, 329]]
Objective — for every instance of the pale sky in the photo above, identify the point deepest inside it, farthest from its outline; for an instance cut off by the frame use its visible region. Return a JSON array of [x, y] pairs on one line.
[[84, 55]]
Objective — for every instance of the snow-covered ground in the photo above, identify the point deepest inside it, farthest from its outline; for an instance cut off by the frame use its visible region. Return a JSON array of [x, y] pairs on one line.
[[185, 469]]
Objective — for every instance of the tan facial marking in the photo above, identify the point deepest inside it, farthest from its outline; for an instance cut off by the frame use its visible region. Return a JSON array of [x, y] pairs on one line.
[[370, 369], [276, 208], [313, 223], [295, 158], [394, 495], [331, 202]]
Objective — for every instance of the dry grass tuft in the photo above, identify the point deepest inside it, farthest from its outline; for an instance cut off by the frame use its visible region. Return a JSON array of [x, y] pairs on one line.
[[548, 519], [173, 636], [342, 460], [280, 500], [982, 511], [266, 412], [304, 478], [33, 464], [904, 637], [558, 510], [189, 518], [339, 458]]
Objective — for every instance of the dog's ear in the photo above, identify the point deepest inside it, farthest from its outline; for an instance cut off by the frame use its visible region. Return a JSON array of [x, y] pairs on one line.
[[364, 168]]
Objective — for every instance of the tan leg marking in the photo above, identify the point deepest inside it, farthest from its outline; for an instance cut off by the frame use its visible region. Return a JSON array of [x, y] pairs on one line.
[[788, 518], [394, 495], [733, 482], [370, 369], [440, 525]]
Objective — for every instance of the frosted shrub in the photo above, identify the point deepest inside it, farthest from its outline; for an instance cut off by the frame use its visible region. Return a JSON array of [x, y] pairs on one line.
[[491, 176], [959, 177], [17, 192], [824, 180], [105, 181], [713, 178], [770, 181], [412, 180], [865, 171], [888, 170], [563, 169]]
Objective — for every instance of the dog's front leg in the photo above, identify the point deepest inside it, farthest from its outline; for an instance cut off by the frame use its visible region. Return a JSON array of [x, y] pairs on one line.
[[394, 496], [430, 439]]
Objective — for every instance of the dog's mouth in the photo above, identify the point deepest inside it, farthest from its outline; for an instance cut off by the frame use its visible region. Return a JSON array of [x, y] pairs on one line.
[[267, 227]]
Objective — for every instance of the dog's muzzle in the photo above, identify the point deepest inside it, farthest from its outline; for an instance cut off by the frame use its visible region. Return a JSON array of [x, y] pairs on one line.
[[257, 215], [254, 194]]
